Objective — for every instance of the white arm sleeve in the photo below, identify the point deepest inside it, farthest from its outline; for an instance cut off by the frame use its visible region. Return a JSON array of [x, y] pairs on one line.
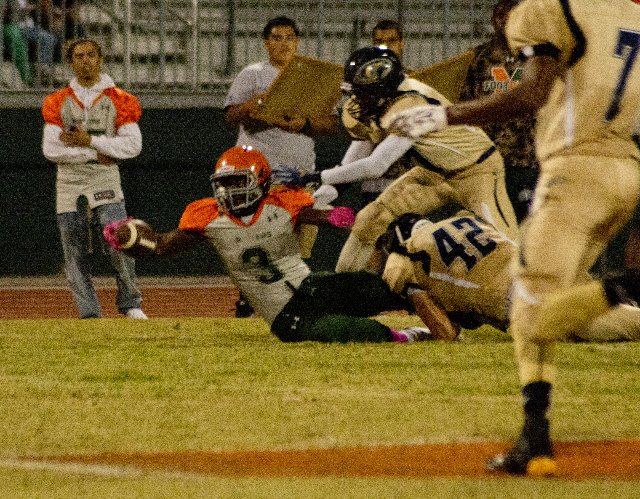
[[373, 166], [55, 150], [127, 143], [358, 149]]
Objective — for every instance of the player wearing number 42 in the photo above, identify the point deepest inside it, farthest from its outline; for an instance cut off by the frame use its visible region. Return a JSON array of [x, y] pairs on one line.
[[253, 230], [582, 78], [461, 264]]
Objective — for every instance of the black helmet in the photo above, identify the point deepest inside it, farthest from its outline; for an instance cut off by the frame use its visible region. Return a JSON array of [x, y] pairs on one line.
[[394, 240], [372, 75]]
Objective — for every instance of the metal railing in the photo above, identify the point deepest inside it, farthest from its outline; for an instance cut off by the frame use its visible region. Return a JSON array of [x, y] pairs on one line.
[[197, 46]]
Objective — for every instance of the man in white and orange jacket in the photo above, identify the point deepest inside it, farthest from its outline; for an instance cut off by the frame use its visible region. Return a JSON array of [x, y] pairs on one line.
[[89, 127]]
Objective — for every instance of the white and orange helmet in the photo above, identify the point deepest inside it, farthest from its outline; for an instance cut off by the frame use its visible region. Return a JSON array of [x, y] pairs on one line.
[[241, 180]]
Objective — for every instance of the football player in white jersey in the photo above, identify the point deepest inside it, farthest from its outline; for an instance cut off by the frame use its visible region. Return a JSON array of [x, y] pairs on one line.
[[253, 230], [582, 77]]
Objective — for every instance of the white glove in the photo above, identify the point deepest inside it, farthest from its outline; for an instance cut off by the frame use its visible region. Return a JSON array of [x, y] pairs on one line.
[[419, 121], [324, 195]]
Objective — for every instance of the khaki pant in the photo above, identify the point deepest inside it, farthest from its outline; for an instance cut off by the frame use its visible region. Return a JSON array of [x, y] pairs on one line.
[[579, 205], [479, 188]]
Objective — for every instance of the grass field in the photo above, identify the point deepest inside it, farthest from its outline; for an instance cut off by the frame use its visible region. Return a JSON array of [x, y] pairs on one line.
[[72, 387]]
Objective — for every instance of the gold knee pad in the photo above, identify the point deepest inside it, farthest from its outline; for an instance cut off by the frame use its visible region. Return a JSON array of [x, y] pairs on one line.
[[355, 255], [417, 191]]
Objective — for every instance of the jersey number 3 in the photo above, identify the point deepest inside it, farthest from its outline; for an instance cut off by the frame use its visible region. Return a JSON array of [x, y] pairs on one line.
[[627, 49], [258, 259]]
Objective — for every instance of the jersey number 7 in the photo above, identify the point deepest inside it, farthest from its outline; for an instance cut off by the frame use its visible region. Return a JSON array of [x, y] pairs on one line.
[[627, 49]]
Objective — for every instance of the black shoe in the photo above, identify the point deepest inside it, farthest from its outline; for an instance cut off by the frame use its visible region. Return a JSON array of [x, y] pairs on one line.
[[532, 455], [243, 309], [623, 288]]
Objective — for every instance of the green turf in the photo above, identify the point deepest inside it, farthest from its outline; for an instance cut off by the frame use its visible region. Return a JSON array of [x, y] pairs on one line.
[[70, 386]]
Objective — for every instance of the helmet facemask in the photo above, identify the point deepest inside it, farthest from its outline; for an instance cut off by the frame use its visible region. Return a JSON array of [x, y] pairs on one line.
[[365, 107], [241, 180], [237, 191]]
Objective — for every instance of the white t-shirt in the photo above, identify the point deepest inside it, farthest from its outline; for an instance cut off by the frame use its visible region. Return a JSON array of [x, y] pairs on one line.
[[279, 147]]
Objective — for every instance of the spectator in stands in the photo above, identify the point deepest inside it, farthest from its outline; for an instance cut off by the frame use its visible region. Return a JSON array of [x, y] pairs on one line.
[[62, 18], [40, 39], [389, 33], [495, 69], [289, 142], [89, 127], [13, 41]]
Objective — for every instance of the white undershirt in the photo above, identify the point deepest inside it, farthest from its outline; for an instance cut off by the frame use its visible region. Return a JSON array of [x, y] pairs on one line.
[[372, 166]]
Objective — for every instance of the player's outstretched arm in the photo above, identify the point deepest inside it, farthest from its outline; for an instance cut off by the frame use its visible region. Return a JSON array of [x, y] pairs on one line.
[[137, 239], [539, 75], [374, 165], [433, 315], [340, 216], [531, 94]]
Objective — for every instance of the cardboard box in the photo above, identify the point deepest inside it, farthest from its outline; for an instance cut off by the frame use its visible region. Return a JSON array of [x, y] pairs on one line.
[[307, 86], [447, 77]]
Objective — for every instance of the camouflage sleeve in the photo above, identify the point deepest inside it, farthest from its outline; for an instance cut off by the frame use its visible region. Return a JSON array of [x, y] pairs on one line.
[[475, 76]]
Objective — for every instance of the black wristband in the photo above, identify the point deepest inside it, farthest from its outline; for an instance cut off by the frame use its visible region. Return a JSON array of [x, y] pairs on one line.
[[312, 178]]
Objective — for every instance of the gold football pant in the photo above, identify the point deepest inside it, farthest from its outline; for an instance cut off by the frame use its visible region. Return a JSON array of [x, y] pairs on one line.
[[479, 188], [580, 203]]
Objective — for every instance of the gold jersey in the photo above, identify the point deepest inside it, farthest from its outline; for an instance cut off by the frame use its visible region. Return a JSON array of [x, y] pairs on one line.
[[463, 263], [454, 148], [594, 105]]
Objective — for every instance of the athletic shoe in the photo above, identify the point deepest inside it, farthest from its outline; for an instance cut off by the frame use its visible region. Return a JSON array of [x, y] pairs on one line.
[[414, 334], [243, 309], [136, 313], [532, 455]]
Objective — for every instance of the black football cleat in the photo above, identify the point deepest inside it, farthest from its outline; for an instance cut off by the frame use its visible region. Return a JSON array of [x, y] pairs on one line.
[[243, 309], [532, 454]]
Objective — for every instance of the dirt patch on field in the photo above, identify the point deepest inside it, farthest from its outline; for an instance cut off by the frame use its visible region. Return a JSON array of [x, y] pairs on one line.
[[56, 302], [576, 460]]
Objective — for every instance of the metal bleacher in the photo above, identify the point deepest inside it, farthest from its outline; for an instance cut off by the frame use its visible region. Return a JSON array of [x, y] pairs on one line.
[[190, 50]]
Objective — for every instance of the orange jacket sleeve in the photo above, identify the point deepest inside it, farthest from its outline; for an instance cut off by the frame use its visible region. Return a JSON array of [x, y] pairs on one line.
[[127, 105]]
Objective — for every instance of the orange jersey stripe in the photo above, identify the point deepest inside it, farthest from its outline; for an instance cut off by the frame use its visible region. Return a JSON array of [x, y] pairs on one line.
[[292, 199], [200, 213]]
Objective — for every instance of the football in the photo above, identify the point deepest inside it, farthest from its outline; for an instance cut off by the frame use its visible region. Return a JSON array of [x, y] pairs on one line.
[[136, 238]]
